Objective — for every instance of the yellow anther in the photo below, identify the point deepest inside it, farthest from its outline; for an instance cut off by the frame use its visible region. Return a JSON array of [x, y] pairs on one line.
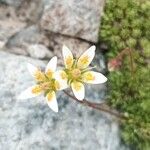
[[77, 86], [50, 95], [89, 76], [37, 89], [63, 75], [69, 61], [49, 73], [57, 85], [84, 60], [39, 76]]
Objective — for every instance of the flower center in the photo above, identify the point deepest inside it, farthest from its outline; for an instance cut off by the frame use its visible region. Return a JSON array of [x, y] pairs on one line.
[[76, 73]]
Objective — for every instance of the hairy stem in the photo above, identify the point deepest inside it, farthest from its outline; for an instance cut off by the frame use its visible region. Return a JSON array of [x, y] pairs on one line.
[[98, 106]]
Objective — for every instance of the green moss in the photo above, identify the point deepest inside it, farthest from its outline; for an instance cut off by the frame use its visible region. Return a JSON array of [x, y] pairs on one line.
[[130, 94], [126, 24]]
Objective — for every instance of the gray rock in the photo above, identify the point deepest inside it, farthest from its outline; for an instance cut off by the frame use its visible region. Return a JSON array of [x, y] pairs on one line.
[[30, 11], [56, 42], [31, 125], [14, 3], [39, 51], [9, 23], [75, 18], [22, 40]]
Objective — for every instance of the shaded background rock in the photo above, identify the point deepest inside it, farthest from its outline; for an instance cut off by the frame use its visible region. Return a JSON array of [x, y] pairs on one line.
[[14, 3], [39, 51], [30, 124], [9, 23], [30, 11], [19, 43], [75, 18], [78, 32]]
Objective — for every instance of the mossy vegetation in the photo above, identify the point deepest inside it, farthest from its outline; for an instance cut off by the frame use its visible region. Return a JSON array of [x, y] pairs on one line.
[[126, 26]]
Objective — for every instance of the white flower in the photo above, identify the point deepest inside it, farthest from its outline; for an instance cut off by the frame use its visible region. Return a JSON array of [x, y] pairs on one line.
[[46, 83], [77, 71]]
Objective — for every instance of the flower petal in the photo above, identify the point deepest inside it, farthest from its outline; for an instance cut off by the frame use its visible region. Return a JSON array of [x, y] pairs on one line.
[[30, 92], [68, 57], [94, 77], [86, 58], [78, 90], [52, 64], [32, 69], [51, 101], [61, 78]]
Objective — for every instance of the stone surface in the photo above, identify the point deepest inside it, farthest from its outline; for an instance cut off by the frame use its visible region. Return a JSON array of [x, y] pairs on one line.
[[31, 125], [56, 42], [9, 23], [30, 11], [39, 51], [20, 42], [75, 18], [14, 3]]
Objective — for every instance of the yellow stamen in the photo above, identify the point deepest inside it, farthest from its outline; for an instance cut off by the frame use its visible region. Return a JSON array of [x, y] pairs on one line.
[[49, 73], [50, 95], [63, 75], [69, 61], [89, 76], [77, 86], [84, 60], [37, 89], [39, 76], [57, 85]]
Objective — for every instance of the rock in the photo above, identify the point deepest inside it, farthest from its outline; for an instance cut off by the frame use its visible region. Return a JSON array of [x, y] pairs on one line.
[[31, 125], [9, 23], [14, 3], [56, 42], [30, 11], [21, 41], [39, 51], [29, 35], [76, 18]]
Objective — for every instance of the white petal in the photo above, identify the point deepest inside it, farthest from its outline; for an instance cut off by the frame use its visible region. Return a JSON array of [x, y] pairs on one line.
[[68, 57], [86, 58], [32, 69], [61, 78], [28, 93], [78, 90], [52, 102], [94, 77], [52, 64]]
